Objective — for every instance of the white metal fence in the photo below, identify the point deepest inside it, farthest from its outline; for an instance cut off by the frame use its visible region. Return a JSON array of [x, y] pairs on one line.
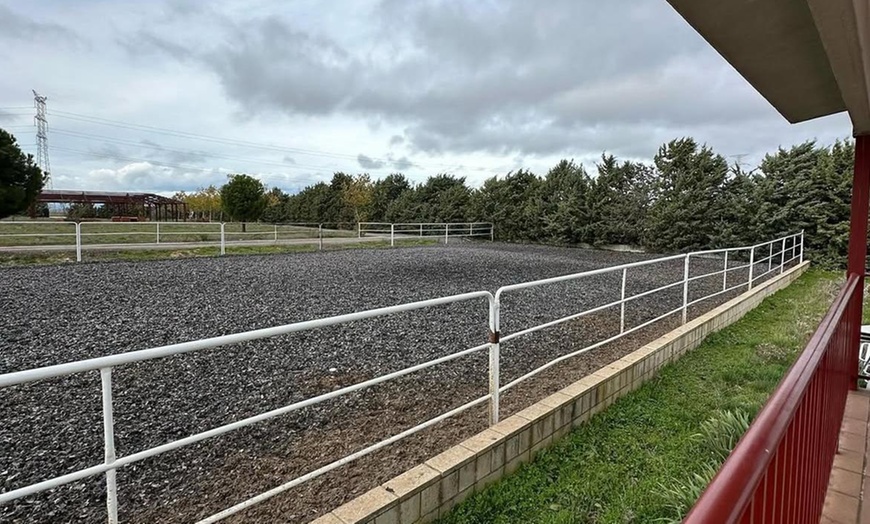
[[758, 261], [69, 236], [411, 230]]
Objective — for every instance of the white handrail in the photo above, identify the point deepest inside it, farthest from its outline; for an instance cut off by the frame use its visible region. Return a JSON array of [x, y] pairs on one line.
[[69, 368]]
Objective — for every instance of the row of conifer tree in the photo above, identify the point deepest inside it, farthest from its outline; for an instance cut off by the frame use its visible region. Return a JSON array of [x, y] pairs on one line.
[[687, 198]]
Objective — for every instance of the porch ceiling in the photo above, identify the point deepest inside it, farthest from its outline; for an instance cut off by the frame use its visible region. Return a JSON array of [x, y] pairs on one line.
[[808, 58]]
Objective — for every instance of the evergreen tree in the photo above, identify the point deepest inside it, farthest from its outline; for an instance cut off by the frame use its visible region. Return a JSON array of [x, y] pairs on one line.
[[619, 198], [312, 204], [564, 206], [808, 187], [384, 192], [510, 203], [21, 180], [276, 206], [405, 208], [689, 199], [738, 222], [442, 198]]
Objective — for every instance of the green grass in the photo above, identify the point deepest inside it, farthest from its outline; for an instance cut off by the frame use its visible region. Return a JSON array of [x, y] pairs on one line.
[[43, 258], [642, 459]]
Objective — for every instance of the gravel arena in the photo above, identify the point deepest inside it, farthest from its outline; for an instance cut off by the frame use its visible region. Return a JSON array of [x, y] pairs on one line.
[[56, 314]]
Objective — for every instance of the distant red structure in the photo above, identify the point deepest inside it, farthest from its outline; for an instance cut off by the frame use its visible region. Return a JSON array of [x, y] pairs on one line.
[[126, 205]]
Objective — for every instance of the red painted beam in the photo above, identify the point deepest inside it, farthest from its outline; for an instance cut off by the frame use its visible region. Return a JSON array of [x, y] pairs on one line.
[[860, 203], [858, 240]]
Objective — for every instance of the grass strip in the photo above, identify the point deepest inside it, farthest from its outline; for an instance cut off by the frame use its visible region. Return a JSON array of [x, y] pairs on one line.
[[62, 257], [646, 458]]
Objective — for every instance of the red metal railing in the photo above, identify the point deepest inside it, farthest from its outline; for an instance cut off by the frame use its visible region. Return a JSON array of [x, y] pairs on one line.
[[778, 473]]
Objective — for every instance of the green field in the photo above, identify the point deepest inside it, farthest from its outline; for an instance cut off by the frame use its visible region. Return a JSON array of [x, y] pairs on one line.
[[51, 232]]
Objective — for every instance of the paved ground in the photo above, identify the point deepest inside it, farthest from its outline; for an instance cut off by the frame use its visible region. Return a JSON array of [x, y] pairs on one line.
[[845, 502]]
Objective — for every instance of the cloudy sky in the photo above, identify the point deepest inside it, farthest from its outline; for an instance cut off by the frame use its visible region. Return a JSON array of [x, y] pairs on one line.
[[173, 95]]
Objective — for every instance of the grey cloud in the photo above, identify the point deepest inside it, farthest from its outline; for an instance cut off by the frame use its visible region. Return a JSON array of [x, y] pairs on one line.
[[561, 77], [402, 164], [366, 162], [274, 64], [289, 160], [620, 139], [173, 31], [186, 8], [19, 27], [146, 43]]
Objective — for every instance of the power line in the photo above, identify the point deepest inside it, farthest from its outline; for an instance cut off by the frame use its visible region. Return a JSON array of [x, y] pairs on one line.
[[183, 134], [124, 158], [158, 147], [236, 142]]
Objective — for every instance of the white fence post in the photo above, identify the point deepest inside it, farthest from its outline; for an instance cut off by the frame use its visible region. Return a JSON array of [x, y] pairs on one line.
[[751, 264], [359, 229], [78, 241], [782, 257], [802, 247], [446, 232], [421, 230], [492, 232], [686, 288], [392, 235], [770, 258], [158, 232], [622, 303], [223, 240], [320, 235], [276, 233], [494, 348], [725, 273], [109, 444]]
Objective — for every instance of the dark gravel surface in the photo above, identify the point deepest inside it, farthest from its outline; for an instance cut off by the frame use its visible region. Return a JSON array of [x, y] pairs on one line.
[[64, 313]]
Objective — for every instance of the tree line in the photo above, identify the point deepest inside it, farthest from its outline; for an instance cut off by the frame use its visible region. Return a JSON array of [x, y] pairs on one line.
[[688, 198], [21, 180]]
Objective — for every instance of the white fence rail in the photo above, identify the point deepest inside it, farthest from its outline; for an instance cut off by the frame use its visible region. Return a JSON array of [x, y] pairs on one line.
[[69, 236], [778, 254], [411, 230]]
